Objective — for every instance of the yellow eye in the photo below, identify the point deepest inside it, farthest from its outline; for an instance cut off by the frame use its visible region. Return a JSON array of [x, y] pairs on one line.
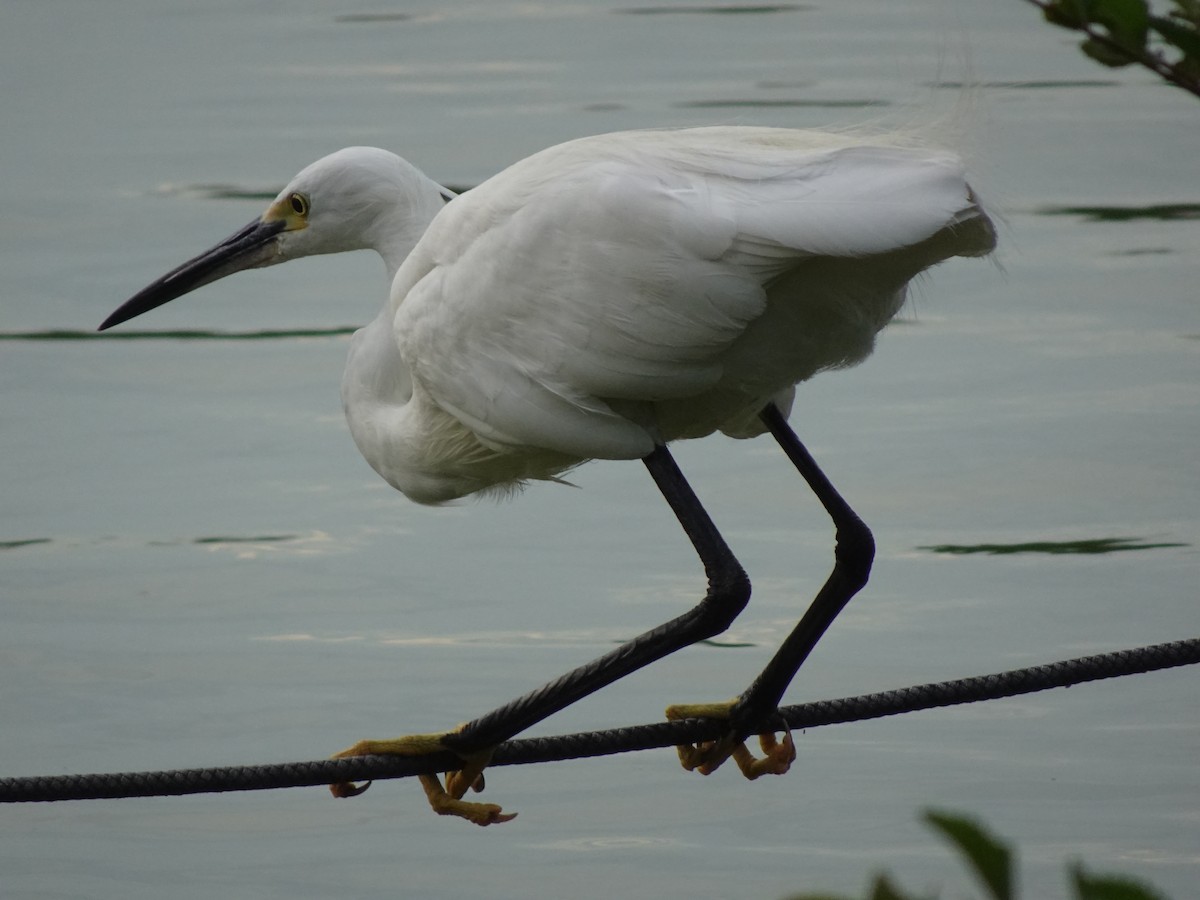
[[299, 204]]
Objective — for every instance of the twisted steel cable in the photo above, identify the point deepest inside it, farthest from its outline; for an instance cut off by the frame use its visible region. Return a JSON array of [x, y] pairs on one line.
[[526, 751]]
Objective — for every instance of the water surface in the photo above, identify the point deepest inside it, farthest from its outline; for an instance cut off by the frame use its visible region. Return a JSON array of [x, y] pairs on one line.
[[196, 568]]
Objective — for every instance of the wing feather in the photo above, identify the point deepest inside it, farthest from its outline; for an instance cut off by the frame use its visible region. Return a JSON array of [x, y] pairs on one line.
[[623, 267]]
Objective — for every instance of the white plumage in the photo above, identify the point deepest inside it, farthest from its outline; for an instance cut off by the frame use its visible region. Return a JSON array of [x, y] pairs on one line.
[[599, 300], [608, 294], [635, 288]]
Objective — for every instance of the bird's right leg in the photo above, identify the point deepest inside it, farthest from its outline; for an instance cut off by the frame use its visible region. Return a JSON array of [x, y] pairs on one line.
[[728, 593], [854, 550]]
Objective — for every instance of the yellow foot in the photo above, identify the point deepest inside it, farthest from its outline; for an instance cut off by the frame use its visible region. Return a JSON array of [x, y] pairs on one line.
[[708, 756], [445, 801]]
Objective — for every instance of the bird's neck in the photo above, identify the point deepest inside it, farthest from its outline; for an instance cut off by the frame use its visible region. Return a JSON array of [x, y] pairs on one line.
[[376, 392], [413, 445], [376, 374], [377, 386], [401, 237], [396, 232]]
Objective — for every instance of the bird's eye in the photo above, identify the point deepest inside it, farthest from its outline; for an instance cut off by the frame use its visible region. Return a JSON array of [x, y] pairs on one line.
[[299, 204]]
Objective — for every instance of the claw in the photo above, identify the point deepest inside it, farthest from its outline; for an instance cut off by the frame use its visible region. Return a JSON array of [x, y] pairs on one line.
[[777, 759], [444, 804], [445, 801], [348, 788], [708, 756], [455, 786]]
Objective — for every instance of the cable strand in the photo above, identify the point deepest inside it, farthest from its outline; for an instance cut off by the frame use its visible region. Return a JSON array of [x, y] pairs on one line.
[[628, 739]]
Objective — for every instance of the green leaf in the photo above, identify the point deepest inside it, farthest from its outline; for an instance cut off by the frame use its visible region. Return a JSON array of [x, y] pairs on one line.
[[1065, 13], [1109, 887], [990, 858], [1105, 55], [1187, 10], [884, 889], [1185, 38], [1126, 20]]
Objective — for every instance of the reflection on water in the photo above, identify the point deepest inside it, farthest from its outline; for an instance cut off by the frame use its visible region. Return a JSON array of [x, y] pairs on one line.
[[256, 539], [713, 9], [1038, 85], [26, 542], [218, 192], [613, 842], [374, 17], [781, 104], [197, 568], [1165, 212], [1093, 545]]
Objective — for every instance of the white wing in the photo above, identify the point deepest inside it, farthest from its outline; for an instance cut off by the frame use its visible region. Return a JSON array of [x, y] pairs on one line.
[[620, 270]]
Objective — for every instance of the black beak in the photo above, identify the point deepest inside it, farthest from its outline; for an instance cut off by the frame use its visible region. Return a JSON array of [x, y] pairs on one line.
[[255, 245]]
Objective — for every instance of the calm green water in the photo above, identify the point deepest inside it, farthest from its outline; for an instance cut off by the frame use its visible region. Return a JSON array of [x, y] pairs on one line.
[[197, 569]]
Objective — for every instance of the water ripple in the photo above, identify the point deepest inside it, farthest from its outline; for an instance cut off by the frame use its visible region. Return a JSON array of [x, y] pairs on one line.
[[1083, 547], [783, 104], [613, 842], [714, 9], [1043, 84], [1165, 212], [27, 542]]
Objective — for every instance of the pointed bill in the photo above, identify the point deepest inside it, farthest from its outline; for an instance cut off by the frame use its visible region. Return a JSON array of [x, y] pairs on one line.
[[253, 246]]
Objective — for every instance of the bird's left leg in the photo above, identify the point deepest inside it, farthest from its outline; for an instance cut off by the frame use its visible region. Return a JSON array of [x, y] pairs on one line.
[[854, 551], [445, 801], [728, 591], [727, 594]]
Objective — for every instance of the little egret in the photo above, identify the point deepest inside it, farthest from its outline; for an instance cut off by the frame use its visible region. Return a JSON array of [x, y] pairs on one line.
[[599, 300]]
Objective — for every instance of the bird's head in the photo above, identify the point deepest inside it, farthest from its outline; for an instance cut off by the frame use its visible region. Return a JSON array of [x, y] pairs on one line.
[[355, 199]]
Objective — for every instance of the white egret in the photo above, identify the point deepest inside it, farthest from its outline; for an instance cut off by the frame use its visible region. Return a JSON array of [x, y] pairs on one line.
[[601, 299]]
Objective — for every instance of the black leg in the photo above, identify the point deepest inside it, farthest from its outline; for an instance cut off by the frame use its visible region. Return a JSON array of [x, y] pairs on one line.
[[728, 593], [853, 554]]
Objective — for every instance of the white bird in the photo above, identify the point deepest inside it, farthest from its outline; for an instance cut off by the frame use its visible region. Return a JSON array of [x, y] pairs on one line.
[[599, 300]]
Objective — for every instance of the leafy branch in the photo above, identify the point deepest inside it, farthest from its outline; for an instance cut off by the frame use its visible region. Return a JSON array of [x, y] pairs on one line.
[[1127, 32], [993, 863]]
